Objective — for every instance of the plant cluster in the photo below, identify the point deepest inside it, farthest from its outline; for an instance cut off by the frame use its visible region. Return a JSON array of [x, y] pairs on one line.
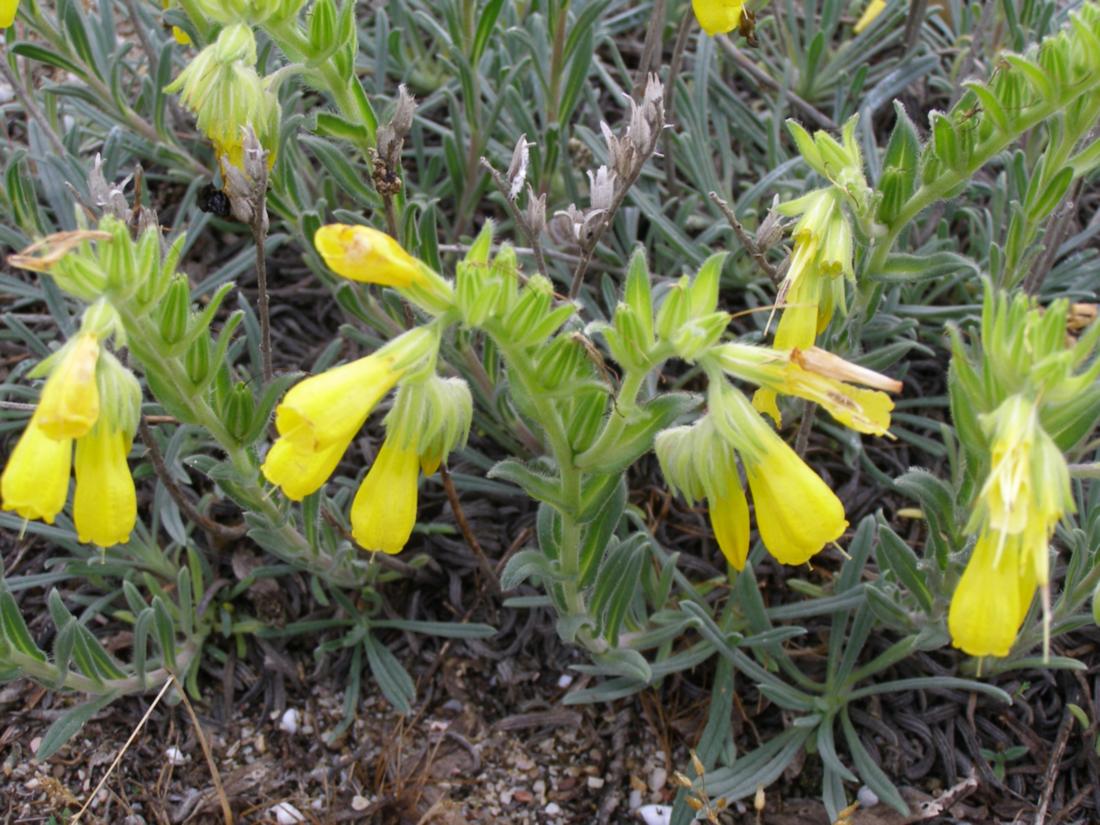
[[559, 358]]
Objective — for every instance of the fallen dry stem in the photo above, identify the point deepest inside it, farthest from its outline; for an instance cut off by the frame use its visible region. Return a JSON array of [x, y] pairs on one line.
[[125, 747]]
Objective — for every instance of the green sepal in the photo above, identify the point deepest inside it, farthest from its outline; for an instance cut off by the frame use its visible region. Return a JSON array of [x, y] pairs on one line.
[[638, 295], [237, 411], [539, 485], [704, 287], [323, 38], [175, 311], [585, 416], [637, 434]]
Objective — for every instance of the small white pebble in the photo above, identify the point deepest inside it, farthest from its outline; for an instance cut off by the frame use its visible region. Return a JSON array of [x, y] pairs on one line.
[[359, 803], [867, 798], [635, 800], [175, 756], [289, 721], [553, 809], [655, 814], [36, 743], [506, 797], [595, 782], [286, 814], [564, 681], [657, 779]]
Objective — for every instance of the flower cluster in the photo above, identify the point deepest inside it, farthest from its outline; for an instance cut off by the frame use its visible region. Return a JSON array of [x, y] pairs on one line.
[[227, 95], [89, 398], [1024, 496], [1019, 400], [700, 462], [319, 417]]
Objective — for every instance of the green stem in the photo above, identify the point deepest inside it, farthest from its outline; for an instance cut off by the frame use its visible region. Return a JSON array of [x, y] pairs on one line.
[[937, 189], [570, 477], [292, 546], [47, 673]]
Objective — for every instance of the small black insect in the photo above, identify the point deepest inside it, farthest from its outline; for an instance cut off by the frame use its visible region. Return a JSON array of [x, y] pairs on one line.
[[214, 200]]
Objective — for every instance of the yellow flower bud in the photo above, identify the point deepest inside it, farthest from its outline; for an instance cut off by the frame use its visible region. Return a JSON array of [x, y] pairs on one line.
[[384, 510], [718, 16], [69, 404], [7, 12], [35, 482], [105, 502], [360, 253]]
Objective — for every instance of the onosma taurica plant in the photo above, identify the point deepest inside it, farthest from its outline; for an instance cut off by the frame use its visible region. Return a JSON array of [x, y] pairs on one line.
[[842, 331]]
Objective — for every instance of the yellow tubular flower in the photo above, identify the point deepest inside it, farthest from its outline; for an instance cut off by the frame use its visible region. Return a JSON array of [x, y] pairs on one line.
[[69, 405], [105, 503], [300, 472], [360, 253], [717, 16], [873, 10], [384, 510], [7, 12], [796, 511], [800, 324], [329, 408], [35, 482], [992, 597], [729, 518]]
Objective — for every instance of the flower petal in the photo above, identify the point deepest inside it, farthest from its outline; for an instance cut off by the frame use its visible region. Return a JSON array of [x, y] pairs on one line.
[[717, 16], [8, 9], [329, 408], [69, 404], [361, 253], [796, 511], [992, 597], [35, 482], [105, 502], [300, 471], [384, 511], [729, 517]]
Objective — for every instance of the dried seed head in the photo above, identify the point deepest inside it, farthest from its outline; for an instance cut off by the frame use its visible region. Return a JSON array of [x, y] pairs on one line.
[[391, 135], [602, 185], [696, 763], [681, 780], [771, 228], [517, 169], [108, 199], [255, 156], [403, 112], [535, 213]]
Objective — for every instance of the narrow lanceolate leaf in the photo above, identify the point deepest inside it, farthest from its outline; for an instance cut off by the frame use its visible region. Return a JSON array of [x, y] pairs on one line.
[[66, 726], [15, 629], [396, 684]]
